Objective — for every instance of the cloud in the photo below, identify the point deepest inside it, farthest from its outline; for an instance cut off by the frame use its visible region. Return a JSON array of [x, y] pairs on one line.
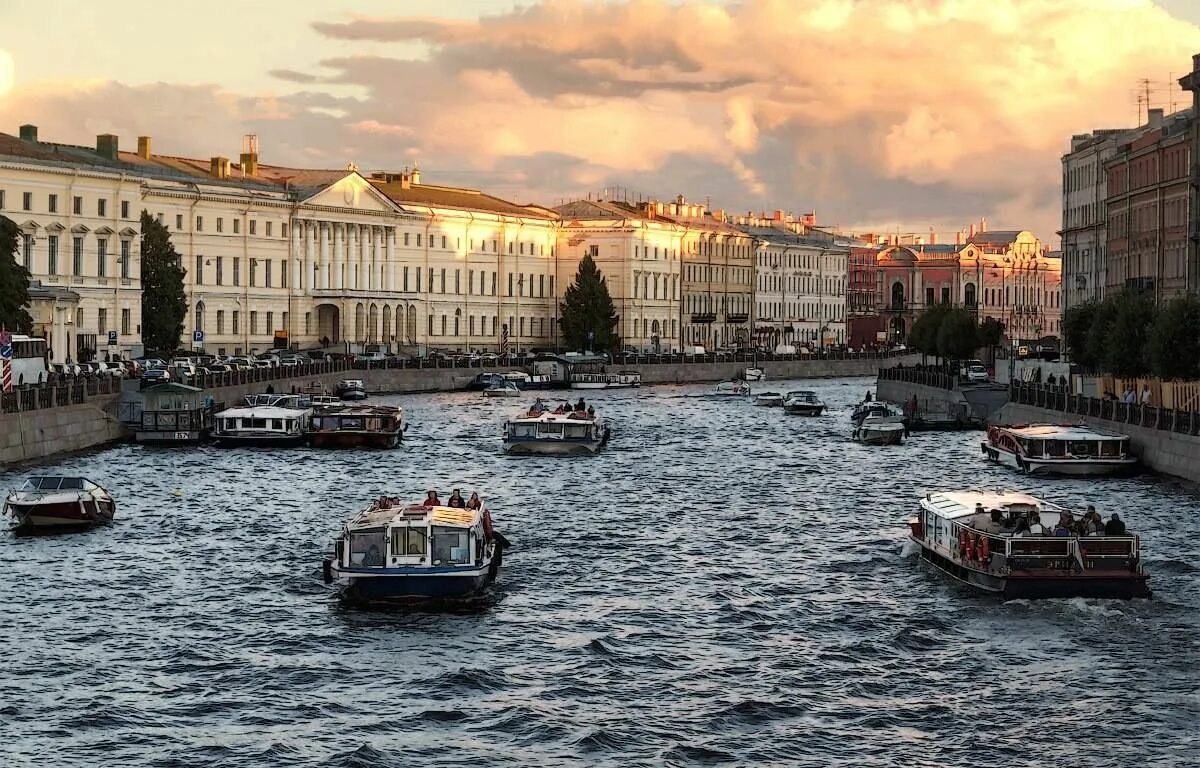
[[901, 112], [6, 72]]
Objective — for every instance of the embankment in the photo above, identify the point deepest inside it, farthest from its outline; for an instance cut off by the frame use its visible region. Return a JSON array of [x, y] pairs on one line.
[[37, 434]]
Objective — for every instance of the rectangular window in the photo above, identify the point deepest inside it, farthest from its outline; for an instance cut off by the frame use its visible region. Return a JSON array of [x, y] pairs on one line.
[[1, 199], [254, 227], [406, 278], [124, 209], [102, 321], [443, 241], [27, 251], [253, 322], [125, 322], [283, 274], [77, 206], [199, 269], [471, 326], [443, 276], [199, 223], [235, 321], [101, 208], [237, 270], [542, 286], [406, 238], [237, 226], [27, 201], [221, 228], [418, 272], [430, 284], [493, 289], [270, 322], [431, 325], [551, 285], [77, 256], [443, 325], [470, 281], [52, 254], [269, 229], [178, 220], [220, 270], [267, 274], [510, 283], [102, 257], [52, 203], [419, 243], [220, 321], [253, 274], [457, 281]]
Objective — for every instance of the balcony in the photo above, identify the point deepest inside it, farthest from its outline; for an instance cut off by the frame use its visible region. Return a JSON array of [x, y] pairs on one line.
[[737, 318], [704, 317]]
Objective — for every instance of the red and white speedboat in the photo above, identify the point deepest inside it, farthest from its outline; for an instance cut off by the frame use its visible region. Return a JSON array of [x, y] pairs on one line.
[[53, 502]]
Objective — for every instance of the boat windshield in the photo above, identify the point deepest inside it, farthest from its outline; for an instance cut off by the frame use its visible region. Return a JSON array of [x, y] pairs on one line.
[[42, 483], [367, 548], [450, 546], [408, 542]]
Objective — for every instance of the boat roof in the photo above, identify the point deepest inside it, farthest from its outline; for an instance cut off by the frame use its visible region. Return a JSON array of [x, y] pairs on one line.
[[352, 382], [395, 512], [569, 417], [60, 482], [347, 409], [801, 393], [953, 505], [1062, 432], [260, 412]]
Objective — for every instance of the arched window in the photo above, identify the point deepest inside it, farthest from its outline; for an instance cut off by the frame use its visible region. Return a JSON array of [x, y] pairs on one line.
[[199, 316], [969, 294], [897, 295]]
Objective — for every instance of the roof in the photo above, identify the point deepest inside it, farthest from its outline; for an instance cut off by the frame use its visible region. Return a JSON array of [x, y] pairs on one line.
[[898, 254], [456, 197], [387, 510], [1000, 237], [952, 505], [596, 209], [174, 386], [1062, 432], [261, 412], [549, 417]]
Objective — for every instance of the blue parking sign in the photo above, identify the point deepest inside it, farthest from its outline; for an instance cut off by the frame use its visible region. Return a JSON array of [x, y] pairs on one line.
[[112, 338], [198, 336]]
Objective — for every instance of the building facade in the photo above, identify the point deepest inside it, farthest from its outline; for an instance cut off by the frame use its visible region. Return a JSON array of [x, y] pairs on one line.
[[1084, 217]]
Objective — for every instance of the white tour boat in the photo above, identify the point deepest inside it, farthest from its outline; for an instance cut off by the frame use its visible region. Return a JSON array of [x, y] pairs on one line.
[[396, 552], [57, 503], [877, 424], [1058, 449], [555, 432], [1002, 543], [803, 402], [770, 399], [351, 389], [265, 420], [619, 380], [754, 374], [733, 388], [502, 388]]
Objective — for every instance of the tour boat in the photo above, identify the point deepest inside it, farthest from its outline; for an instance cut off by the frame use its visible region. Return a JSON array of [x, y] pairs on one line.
[[267, 420], [58, 503], [351, 389], [555, 432], [619, 380], [877, 424], [393, 552], [357, 426], [754, 374], [770, 399], [982, 539], [1058, 449], [803, 403], [502, 388], [733, 388]]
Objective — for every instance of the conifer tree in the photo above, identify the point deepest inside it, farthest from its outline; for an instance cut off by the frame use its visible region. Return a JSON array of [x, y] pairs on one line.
[[14, 282], [587, 308], [164, 305]]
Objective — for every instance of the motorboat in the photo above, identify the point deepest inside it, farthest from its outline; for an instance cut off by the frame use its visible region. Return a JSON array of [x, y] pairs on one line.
[[877, 424], [395, 552], [559, 432], [769, 399], [357, 426], [754, 374], [803, 402], [351, 389], [525, 380], [733, 388], [502, 388], [618, 380], [1044, 449], [999, 542], [265, 420], [45, 503]]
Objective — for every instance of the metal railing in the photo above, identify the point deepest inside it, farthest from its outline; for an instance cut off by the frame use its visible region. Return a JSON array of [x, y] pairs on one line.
[[33, 397], [925, 376], [1184, 422]]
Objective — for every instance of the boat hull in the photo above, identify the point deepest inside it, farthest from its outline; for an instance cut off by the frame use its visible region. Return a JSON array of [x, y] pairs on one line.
[[804, 409], [870, 436], [1042, 583], [259, 441], [353, 394], [1065, 467], [65, 516], [502, 393], [602, 385], [410, 585], [355, 439], [552, 447]]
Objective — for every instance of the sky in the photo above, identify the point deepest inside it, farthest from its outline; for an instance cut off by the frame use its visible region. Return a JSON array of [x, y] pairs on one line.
[[880, 115]]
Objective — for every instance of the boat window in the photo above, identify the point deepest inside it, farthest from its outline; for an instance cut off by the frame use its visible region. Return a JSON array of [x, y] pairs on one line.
[[71, 483], [367, 548], [1035, 447], [1110, 449], [408, 542], [450, 546], [352, 422], [1081, 448], [524, 430], [258, 423], [276, 423], [1056, 448], [578, 431], [550, 428]]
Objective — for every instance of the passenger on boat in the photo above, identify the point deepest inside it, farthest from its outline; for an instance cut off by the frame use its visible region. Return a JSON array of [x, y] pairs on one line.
[[431, 499], [456, 500], [997, 515], [1093, 525], [867, 399], [1115, 526], [591, 411], [1035, 526], [581, 406], [538, 407], [1065, 525], [1022, 527], [474, 502]]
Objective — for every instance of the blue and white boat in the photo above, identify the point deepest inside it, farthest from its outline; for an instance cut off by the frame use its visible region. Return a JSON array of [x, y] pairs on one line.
[[393, 552], [557, 432]]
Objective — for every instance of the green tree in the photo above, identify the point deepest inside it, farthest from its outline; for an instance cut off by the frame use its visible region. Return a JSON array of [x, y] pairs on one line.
[[1126, 348], [958, 335], [588, 308], [164, 305], [924, 333], [14, 282], [991, 335], [1095, 347], [1077, 322], [1175, 340]]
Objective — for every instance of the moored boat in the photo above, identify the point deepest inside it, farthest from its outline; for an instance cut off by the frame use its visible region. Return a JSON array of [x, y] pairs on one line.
[[803, 402], [1058, 449], [732, 388], [754, 374], [351, 389], [619, 380], [47, 503], [393, 552], [559, 432], [502, 388], [769, 399], [357, 426], [265, 420], [998, 542], [877, 424]]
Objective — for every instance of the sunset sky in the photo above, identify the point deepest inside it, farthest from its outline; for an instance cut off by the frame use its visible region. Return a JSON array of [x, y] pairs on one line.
[[879, 114]]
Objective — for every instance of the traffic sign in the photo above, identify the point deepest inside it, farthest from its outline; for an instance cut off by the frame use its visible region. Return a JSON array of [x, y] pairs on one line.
[[112, 338], [198, 336]]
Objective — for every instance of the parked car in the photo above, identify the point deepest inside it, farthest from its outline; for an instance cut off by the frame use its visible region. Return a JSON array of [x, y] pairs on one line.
[[156, 375]]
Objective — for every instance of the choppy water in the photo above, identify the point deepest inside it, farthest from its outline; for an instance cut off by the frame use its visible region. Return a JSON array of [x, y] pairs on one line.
[[724, 586]]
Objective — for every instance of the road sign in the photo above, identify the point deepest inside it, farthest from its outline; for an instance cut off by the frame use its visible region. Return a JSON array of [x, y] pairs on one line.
[[112, 338], [198, 336]]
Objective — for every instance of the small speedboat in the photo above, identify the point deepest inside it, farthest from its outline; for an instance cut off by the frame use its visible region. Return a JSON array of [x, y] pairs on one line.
[[351, 389], [393, 552], [754, 374], [733, 388], [877, 424], [770, 399], [47, 503], [502, 388], [803, 402]]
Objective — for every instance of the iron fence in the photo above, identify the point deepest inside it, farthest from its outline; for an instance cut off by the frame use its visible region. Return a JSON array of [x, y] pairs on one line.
[[1184, 422]]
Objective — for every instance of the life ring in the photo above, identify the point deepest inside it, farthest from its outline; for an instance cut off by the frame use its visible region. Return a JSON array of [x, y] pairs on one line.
[[984, 549], [964, 545]]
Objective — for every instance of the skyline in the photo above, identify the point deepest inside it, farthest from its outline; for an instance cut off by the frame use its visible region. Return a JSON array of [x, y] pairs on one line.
[[557, 99]]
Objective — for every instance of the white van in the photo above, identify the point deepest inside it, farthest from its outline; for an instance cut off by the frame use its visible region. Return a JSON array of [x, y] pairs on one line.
[[694, 350]]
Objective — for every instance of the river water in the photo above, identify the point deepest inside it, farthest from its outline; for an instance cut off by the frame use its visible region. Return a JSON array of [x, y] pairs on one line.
[[725, 585]]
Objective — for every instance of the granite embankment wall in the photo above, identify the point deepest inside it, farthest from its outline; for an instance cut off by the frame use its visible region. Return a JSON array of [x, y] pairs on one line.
[[37, 434], [1170, 453], [975, 403]]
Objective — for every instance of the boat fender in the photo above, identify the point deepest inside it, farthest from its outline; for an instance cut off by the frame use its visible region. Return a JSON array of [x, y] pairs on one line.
[[327, 570], [501, 542], [984, 549], [964, 544]]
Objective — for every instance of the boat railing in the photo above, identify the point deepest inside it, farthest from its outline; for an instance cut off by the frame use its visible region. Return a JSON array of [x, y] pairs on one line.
[[1067, 552]]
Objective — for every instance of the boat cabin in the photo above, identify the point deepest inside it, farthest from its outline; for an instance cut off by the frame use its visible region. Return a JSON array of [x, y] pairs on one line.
[[1048, 441], [803, 396], [175, 413], [552, 426], [392, 535]]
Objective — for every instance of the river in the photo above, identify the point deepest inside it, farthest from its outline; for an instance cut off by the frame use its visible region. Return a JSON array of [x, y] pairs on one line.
[[724, 585]]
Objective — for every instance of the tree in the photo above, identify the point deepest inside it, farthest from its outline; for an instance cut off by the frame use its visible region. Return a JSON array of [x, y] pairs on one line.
[[1174, 344], [958, 335], [1095, 347], [1077, 322], [14, 282], [587, 308], [164, 305], [1133, 315], [924, 334]]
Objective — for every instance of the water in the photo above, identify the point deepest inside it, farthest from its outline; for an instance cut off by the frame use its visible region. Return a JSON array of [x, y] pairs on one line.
[[725, 585]]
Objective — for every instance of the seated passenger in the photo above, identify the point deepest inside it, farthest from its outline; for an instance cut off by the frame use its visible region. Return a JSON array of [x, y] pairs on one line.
[[538, 406], [1022, 528], [474, 502], [456, 500], [1062, 530], [591, 411], [580, 406], [1115, 526], [1035, 526], [431, 499]]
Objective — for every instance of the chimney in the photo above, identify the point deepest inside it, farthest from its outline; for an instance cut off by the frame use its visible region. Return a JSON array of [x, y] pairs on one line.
[[679, 200], [932, 237], [249, 156], [416, 175], [219, 167], [144, 147], [958, 238], [1154, 118], [972, 234], [778, 215], [29, 133], [983, 225], [106, 146]]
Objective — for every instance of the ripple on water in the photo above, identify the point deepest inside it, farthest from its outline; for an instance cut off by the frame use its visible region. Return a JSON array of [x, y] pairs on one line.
[[724, 586]]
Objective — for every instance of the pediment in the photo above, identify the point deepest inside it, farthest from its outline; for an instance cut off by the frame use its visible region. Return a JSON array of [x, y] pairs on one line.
[[55, 227], [353, 191], [104, 231], [80, 229], [128, 232]]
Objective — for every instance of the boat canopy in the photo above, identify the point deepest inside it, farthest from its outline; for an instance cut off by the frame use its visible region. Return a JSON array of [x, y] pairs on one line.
[[258, 412], [390, 511], [954, 505], [58, 483], [1075, 432]]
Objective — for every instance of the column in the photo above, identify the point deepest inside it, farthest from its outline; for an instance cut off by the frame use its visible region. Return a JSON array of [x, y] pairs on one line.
[[303, 278], [390, 243], [339, 255], [323, 234]]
